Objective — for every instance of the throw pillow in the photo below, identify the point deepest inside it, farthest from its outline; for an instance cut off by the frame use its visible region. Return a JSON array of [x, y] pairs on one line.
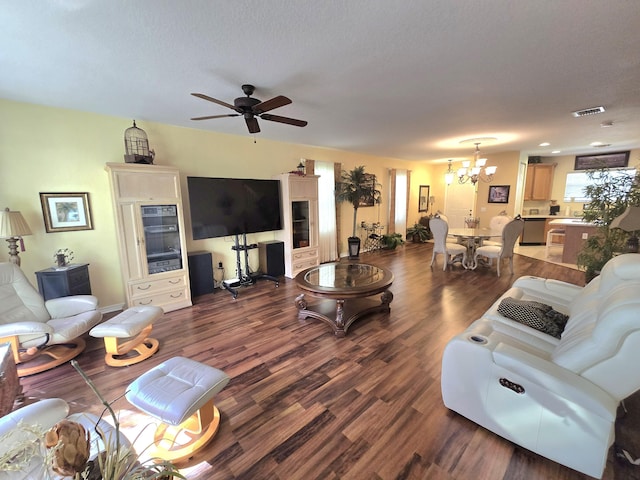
[[535, 315]]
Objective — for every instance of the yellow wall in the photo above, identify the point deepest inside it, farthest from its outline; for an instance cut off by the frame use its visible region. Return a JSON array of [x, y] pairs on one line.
[[46, 149]]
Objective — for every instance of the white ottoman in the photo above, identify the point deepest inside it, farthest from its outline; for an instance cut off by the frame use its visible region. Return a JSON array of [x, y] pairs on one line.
[[179, 393], [128, 332]]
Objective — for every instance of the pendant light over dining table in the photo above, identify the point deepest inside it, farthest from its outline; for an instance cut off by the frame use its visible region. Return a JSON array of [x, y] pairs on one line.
[[467, 173]]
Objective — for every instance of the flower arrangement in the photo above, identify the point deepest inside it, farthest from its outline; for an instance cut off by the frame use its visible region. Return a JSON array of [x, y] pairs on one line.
[[63, 257]]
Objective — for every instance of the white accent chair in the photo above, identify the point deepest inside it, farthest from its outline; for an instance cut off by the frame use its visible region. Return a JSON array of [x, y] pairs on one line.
[[45, 414], [510, 234], [34, 327], [497, 224], [451, 251], [555, 397]]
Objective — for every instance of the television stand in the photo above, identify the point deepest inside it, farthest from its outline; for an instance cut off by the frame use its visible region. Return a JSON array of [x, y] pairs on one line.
[[245, 278]]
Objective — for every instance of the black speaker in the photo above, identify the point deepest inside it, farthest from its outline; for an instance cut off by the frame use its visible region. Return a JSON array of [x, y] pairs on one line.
[[271, 258], [201, 273]]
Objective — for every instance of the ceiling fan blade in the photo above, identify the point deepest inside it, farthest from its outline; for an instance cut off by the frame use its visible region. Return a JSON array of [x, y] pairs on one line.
[[287, 120], [216, 116], [214, 100], [252, 124], [275, 102]]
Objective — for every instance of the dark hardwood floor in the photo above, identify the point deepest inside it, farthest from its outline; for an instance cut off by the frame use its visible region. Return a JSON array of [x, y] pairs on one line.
[[303, 404]]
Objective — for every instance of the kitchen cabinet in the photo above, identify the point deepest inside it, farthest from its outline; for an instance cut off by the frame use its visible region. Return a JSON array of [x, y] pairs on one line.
[[151, 240], [539, 181], [299, 222]]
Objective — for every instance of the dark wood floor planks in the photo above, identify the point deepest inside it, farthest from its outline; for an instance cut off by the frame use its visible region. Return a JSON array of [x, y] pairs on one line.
[[303, 404]]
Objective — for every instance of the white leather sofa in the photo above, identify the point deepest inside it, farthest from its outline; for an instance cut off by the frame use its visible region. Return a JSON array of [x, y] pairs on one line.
[[555, 397]]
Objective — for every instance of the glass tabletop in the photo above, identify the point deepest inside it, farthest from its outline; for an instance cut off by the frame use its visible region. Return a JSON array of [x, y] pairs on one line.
[[344, 275], [474, 232]]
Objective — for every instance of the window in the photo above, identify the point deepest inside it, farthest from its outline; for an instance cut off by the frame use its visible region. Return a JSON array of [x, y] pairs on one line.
[[577, 181]]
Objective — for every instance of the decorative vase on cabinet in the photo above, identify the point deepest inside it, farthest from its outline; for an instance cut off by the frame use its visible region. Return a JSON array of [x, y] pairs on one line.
[[299, 222], [153, 258]]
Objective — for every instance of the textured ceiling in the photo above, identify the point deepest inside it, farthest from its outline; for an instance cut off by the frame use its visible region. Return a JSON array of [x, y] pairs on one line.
[[404, 78]]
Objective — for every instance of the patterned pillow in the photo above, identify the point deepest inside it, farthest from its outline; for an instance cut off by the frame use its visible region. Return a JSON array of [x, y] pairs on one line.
[[535, 315]]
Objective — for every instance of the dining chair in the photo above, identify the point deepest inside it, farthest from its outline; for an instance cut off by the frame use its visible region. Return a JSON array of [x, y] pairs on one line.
[[451, 251], [496, 224], [510, 234]]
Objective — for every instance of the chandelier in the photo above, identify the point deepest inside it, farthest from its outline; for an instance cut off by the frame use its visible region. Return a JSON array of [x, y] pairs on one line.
[[467, 173]]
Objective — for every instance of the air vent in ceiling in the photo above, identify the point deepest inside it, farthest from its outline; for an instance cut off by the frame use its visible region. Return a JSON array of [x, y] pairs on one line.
[[588, 111]]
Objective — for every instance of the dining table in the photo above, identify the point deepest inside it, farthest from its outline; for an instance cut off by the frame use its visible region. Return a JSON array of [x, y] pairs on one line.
[[472, 238]]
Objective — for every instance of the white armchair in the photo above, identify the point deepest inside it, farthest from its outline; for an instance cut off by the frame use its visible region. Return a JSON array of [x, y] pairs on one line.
[[555, 397], [42, 334], [43, 415]]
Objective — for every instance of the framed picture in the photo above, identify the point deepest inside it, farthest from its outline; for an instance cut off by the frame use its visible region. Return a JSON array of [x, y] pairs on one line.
[[423, 198], [368, 200], [604, 160], [65, 212], [499, 193]]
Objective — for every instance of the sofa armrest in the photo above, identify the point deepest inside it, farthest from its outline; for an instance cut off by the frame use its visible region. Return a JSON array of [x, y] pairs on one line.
[[69, 306], [550, 291], [24, 328], [556, 379]]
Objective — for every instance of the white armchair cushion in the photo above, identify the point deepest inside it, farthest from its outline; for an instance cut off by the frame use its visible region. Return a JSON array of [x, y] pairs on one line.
[[69, 306]]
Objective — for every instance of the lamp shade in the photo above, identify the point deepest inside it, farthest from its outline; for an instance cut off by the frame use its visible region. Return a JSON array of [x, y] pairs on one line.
[[13, 224], [629, 221]]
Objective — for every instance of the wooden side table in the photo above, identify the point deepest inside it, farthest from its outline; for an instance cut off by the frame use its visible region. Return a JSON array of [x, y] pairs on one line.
[[64, 281]]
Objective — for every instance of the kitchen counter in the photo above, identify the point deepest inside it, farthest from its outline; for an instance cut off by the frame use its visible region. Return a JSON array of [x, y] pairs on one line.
[[576, 232]]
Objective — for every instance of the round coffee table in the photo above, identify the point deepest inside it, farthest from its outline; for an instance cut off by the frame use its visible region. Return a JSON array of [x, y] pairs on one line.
[[344, 286]]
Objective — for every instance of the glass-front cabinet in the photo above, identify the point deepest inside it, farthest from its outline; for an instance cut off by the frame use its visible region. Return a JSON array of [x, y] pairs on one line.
[[299, 221], [151, 239], [161, 230]]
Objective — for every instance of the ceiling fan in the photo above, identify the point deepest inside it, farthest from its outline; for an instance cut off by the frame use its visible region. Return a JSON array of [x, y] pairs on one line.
[[250, 108]]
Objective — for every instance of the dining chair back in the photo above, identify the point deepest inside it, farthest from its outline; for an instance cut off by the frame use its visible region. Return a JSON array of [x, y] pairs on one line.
[[497, 224], [510, 234], [451, 251]]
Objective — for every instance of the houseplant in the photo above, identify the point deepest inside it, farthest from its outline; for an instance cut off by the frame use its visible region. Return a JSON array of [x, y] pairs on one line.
[[610, 192], [418, 233], [357, 188], [392, 240]]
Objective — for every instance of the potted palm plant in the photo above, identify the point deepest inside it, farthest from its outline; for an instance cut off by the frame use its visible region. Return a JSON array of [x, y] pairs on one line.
[[357, 188]]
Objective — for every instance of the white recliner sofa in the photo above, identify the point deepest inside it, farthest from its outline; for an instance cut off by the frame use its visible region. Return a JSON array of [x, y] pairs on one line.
[[557, 397], [35, 328]]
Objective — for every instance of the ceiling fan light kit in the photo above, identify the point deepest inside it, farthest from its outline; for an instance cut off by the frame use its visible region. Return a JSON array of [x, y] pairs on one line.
[[251, 109]]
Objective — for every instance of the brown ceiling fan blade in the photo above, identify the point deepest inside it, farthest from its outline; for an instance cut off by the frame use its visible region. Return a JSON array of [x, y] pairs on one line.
[[275, 102], [287, 120], [252, 124], [214, 100], [216, 116]]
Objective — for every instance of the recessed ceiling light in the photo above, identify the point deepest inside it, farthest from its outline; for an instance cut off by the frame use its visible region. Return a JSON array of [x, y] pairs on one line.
[[599, 144], [606, 124], [544, 144], [556, 151]]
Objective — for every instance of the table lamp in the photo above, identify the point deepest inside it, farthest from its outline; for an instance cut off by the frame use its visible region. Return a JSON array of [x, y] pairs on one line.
[[12, 227], [629, 221]]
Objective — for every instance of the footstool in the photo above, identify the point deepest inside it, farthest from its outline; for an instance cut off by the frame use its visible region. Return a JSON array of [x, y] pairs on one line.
[[179, 393], [129, 332]]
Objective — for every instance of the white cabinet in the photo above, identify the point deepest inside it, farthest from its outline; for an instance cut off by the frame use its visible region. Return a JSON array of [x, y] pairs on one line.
[[299, 222], [151, 240]]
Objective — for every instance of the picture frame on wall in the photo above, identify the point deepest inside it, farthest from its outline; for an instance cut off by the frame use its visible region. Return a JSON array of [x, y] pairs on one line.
[[602, 160], [499, 193], [423, 198], [368, 200], [65, 212]]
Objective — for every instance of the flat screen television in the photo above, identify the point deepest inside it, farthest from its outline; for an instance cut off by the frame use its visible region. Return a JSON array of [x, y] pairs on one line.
[[232, 206]]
